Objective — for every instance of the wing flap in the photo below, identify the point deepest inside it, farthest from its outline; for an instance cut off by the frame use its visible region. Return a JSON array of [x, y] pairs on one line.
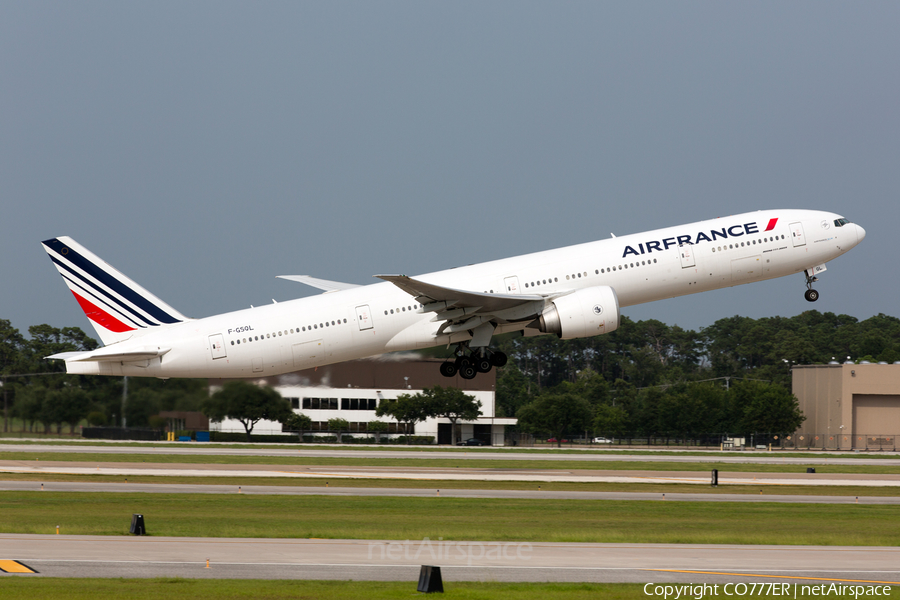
[[444, 299]]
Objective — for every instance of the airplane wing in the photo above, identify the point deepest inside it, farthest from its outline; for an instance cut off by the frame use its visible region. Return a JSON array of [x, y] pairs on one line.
[[322, 284], [463, 310], [427, 293]]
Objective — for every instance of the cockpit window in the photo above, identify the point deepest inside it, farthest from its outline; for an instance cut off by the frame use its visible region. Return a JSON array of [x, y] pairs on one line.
[[841, 222]]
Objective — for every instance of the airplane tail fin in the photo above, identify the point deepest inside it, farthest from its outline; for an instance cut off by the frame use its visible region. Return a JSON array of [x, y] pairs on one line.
[[117, 307]]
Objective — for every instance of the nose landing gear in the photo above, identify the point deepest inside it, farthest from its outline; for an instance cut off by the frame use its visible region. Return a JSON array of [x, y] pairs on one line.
[[811, 295]]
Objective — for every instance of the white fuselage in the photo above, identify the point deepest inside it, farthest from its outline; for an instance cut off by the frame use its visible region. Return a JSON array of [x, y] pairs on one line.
[[373, 319]]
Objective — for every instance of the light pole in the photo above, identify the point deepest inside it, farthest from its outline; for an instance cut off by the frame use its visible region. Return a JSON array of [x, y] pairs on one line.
[[5, 408]]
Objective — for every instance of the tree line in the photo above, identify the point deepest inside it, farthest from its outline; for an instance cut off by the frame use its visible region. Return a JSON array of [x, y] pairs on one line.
[[645, 378], [652, 379], [44, 398]]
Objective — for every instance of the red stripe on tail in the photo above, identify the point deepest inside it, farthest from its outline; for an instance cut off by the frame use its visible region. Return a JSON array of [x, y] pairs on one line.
[[101, 317]]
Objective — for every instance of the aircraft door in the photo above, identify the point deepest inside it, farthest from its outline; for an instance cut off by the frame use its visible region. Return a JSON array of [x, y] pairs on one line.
[[364, 317], [687, 255], [797, 234], [217, 346], [511, 284]]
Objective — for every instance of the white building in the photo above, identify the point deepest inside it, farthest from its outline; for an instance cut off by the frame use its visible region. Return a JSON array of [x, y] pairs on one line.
[[353, 390]]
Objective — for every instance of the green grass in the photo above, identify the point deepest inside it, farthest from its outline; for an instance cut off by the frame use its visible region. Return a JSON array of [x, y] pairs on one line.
[[469, 463], [193, 589], [530, 520], [441, 484], [237, 589]]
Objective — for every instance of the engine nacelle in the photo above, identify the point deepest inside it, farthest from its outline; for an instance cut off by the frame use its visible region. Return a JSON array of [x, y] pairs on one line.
[[585, 313]]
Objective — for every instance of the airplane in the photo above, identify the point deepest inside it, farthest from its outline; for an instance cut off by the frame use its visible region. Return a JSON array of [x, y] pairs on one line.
[[572, 292]]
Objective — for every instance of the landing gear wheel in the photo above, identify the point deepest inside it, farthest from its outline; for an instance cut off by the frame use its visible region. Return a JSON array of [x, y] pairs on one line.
[[448, 369], [483, 364], [811, 295], [467, 369], [498, 359]]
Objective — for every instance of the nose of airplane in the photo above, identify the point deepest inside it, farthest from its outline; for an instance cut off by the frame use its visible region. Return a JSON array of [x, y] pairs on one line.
[[860, 234]]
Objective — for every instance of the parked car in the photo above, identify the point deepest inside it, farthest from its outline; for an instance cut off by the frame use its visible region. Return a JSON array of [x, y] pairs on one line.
[[602, 440], [472, 442]]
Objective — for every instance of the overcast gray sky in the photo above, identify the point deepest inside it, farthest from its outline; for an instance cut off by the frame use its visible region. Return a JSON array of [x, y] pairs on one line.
[[205, 147]]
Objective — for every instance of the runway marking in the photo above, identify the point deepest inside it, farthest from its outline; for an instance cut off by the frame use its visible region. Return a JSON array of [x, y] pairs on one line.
[[14, 566], [774, 576]]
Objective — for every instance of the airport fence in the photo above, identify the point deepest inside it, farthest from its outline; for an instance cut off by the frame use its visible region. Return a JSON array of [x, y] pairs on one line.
[[122, 433], [727, 441], [835, 441]]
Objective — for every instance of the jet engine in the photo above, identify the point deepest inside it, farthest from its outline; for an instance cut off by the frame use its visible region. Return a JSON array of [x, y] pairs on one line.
[[584, 313]]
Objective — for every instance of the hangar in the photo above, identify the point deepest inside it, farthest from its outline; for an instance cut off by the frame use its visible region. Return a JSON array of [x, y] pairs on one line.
[[352, 391], [848, 406]]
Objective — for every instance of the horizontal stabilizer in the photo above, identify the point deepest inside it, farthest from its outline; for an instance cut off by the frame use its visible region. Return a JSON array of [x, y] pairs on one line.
[[111, 354], [322, 284]]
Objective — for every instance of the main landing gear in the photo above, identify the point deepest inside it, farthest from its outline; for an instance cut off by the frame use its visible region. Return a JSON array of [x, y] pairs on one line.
[[811, 295], [477, 360]]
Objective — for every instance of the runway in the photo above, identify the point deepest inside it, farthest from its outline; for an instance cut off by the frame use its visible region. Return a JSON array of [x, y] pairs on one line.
[[505, 453], [99, 556], [447, 474], [397, 560], [164, 488]]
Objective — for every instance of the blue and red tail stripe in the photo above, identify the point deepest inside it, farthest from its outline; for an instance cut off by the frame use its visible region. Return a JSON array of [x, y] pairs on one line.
[[65, 253], [117, 306]]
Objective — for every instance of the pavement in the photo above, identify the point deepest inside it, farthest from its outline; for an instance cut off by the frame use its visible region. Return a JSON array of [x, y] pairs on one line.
[[447, 474], [331, 490], [428, 452], [393, 560]]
